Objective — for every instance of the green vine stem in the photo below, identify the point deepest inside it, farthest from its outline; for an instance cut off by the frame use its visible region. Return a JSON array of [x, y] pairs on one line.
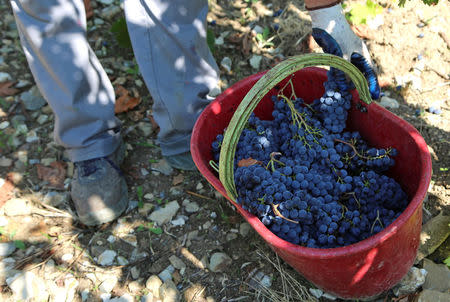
[[260, 89]]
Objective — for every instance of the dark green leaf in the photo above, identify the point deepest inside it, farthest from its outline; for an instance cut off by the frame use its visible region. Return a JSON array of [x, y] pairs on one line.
[[19, 244], [156, 231], [120, 30]]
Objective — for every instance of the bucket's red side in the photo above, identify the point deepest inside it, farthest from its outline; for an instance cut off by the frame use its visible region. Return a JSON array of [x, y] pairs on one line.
[[360, 270]]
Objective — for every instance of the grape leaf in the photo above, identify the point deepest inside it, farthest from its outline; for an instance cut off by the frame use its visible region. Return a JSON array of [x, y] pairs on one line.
[[156, 231]]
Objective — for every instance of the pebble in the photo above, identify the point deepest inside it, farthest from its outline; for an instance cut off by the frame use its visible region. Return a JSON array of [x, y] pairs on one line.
[[108, 284], [255, 61], [122, 260], [144, 172], [22, 83], [27, 286], [258, 29], [135, 272], [3, 219], [134, 286], [5, 77], [316, 292], [66, 257], [213, 215], [207, 225], [166, 274], [179, 221], [162, 167], [199, 186], [17, 207], [5, 162], [433, 296], [388, 102], [123, 298], [177, 262], [4, 125], [109, 12], [411, 282], [55, 199], [153, 284], [165, 214], [169, 292], [231, 236], [219, 262], [106, 2], [244, 229], [438, 277], [433, 234], [192, 207], [98, 21], [145, 128], [106, 258], [7, 248], [42, 119], [32, 99], [226, 63], [111, 239]]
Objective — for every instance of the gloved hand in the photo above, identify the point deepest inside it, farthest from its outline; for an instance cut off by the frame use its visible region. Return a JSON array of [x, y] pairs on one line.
[[332, 32]]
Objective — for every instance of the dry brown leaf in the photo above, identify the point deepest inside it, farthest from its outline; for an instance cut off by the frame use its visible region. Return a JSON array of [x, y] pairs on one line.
[[178, 179], [247, 43], [55, 174], [6, 89], [125, 102], [246, 162], [363, 31], [6, 192], [153, 122]]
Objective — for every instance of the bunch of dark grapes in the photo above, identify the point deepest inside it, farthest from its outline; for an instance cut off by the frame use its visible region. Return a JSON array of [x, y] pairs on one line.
[[311, 182]]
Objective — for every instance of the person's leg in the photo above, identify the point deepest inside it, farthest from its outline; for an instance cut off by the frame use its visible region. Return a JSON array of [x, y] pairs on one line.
[[69, 76], [169, 43]]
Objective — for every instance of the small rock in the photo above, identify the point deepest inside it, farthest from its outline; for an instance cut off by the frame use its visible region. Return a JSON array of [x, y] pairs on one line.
[[207, 225], [168, 292], [219, 262], [106, 2], [163, 167], [22, 156], [146, 208], [134, 287], [167, 273], [4, 125], [144, 172], [3, 219], [148, 298], [135, 272], [165, 214], [255, 61], [199, 186], [153, 284], [258, 29], [108, 284], [27, 286], [145, 128], [329, 296], [388, 102], [56, 199], [109, 12], [192, 207], [7, 248], [149, 196], [411, 282], [244, 229], [433, 296], [17, 207], [42, 119], [5, 77], [111, 239], [213, 215], [180, 220], [433, 234], [231, 236], [123, 298], [122, 260], [32, 99], [5, 162], [177, 262], [195, 293], [316, 292], [226, 63], [106, 258], [260, 280], [22, 83], [98, 21], [66, 257], [438, 277]]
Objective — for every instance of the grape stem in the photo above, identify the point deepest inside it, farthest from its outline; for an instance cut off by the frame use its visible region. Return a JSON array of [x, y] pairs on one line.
[[275, 210], [375, 221], [273, 160], [354, 196]]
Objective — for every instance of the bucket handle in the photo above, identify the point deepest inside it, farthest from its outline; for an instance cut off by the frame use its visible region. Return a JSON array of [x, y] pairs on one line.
[[260, 89]]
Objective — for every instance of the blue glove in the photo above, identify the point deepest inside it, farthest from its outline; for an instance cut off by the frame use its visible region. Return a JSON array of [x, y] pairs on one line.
[[333, 34]]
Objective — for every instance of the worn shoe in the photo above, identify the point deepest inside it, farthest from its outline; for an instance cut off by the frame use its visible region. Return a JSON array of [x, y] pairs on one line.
[[181, 161], [99, 191]]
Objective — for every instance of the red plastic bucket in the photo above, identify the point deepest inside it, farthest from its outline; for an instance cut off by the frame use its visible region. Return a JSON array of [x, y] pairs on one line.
[[360, 270]]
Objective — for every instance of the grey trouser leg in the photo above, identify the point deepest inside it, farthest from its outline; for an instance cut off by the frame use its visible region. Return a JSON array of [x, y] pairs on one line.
[[69, 75], [169, 43]]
